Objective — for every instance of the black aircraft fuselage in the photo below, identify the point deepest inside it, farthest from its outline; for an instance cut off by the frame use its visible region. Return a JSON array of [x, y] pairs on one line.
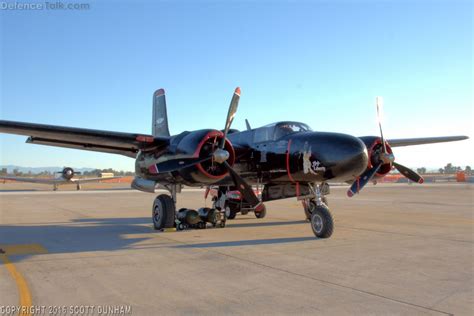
[[284, 152]]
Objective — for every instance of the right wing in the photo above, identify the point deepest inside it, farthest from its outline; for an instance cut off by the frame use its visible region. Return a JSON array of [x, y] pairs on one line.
[[35, 180], [424, 140], [127, 144]]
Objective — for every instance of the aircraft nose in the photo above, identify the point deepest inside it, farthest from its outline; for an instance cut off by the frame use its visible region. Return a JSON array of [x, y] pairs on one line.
[[348, 156], [356, 158]]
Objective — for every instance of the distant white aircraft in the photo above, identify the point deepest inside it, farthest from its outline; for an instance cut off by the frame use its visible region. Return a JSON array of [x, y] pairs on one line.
[[66, 177]]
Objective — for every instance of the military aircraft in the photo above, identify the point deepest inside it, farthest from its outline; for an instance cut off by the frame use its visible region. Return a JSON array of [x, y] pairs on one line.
[[287, 159], [66, 177]]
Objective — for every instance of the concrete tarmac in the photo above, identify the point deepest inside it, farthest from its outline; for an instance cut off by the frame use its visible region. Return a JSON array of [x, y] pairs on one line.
[[396, 250]]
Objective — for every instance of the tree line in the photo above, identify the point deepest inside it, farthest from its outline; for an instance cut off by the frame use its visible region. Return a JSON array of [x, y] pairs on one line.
[[448, 169]]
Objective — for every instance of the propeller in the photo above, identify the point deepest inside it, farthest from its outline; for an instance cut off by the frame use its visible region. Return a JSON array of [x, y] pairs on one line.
[[244, 188], [383, 157], [234, 103], [408, 173], [220, 155], [363, 179]]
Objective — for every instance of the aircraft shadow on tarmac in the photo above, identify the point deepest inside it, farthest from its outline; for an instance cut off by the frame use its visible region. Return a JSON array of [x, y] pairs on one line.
[[22, 190], [107, 234], [250, 242]]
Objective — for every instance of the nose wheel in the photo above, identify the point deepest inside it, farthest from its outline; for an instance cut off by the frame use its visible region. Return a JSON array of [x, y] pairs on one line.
[[321, 222]]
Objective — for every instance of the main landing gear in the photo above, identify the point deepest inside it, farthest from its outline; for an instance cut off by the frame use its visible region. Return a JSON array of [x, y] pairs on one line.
[[317, 212], [164, 214]]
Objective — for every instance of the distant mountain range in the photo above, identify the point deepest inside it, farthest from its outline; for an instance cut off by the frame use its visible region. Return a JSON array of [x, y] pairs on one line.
[[36, 170]]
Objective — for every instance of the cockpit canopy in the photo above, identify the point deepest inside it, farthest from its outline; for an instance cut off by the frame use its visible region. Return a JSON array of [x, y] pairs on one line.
[[278, 130]]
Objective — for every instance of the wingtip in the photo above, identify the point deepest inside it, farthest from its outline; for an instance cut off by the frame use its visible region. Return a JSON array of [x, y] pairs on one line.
[[160, 92], [350, 193], [421, 180], [237, 91]]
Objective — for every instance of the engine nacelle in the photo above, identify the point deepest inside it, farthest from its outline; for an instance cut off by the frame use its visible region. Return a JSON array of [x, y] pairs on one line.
[[201, 144], [374, 147], [196, 144]]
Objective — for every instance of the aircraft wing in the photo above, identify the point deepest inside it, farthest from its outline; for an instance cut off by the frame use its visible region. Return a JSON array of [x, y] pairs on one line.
[[35, 180], [94, 179], [420, 141], [127, 144]]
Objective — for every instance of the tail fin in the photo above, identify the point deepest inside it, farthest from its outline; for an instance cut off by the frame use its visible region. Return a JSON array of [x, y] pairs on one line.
[[159, 126], [248, 125]]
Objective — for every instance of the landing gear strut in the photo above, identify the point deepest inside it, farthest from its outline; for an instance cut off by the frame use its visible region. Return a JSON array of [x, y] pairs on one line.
[[317, 212]]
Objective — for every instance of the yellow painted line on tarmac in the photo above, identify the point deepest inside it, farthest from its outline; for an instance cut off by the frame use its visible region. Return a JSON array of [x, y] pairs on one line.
[[23, 290]]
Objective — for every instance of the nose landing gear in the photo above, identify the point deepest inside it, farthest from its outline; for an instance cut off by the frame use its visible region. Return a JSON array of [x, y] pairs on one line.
[[317, 212], [321, 222]]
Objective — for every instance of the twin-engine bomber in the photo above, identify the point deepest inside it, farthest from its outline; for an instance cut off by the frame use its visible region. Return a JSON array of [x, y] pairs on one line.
[[285, 159]]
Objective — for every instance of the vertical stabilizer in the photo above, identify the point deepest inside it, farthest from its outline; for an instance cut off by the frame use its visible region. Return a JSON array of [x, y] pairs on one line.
[[159, 125], [248, 125]]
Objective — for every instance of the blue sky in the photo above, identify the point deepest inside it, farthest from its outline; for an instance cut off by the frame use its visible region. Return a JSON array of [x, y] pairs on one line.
[[320, 62]]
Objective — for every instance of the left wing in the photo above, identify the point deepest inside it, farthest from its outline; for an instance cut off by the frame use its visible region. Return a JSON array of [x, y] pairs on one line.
[[426, 140], [127, 144]]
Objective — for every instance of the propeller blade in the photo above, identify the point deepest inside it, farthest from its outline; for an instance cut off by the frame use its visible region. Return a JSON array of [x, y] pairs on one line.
[[379, 102], [363, 179], [244, 188], [408, 173], [234, 103], [175, 164]]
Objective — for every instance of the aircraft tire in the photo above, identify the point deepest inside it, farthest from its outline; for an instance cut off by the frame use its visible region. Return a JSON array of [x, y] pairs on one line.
[[231, 214], [321, 222], [312, 206], [231, 211], [163, 212]]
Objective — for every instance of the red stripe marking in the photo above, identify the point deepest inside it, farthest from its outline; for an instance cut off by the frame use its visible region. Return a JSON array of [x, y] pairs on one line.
[[288, 161], [297, 189], [145, 139], [153, 169]]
